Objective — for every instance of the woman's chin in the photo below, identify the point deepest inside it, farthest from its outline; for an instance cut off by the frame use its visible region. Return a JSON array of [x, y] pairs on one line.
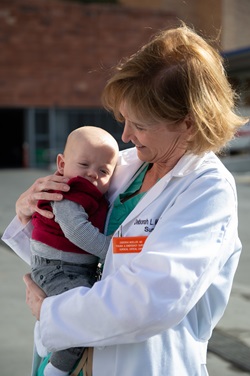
[[142, 154]]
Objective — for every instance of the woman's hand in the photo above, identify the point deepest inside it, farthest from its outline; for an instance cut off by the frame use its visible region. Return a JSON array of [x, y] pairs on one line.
[[34, 296], [26, 204]]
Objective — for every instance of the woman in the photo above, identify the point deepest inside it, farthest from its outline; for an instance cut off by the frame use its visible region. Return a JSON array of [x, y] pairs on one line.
[[169, 270]]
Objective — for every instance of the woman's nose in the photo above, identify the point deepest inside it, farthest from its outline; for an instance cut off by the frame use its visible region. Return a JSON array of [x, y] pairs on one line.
[[126, 134]]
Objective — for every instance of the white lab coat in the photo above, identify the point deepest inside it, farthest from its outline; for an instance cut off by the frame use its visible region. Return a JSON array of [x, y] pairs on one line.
[[153, 312]]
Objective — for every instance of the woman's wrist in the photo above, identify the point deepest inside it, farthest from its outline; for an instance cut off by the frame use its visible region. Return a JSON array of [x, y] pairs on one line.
[[24, 208], [24, 219]]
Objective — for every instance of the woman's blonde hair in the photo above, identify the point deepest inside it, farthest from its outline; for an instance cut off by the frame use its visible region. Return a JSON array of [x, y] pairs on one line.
[[177, 75]]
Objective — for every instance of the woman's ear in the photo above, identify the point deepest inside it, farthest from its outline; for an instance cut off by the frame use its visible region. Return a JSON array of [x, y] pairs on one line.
[[60, 163], [189, 122], [190, 128]]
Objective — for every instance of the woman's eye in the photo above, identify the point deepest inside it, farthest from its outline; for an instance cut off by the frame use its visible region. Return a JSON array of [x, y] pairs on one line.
[[139, 127]]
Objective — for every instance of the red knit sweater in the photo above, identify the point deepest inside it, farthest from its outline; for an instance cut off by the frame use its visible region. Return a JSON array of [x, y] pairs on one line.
[[82, 192]]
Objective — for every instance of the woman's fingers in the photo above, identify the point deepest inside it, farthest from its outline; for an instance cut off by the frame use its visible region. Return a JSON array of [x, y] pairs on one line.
[[26, 204], [33, 287], [34, 296]]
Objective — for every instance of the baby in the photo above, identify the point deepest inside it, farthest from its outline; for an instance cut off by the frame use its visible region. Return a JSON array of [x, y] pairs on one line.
[[67, 248]]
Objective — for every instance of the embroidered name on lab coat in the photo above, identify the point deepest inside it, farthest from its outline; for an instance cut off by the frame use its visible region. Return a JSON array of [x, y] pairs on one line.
[[150, 223]]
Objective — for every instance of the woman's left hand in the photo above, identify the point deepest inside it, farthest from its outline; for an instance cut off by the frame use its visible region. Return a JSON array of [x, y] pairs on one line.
[[34, 296]]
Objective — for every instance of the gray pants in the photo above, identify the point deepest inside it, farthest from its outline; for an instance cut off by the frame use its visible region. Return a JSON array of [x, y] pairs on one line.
[[55, 277]]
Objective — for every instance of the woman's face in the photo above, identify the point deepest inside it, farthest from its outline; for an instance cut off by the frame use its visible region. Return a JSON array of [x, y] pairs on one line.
[[155, 143]]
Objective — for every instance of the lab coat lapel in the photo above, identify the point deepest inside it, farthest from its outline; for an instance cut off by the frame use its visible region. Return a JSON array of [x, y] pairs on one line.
[[148, 198], [127, 167], [187, 164]]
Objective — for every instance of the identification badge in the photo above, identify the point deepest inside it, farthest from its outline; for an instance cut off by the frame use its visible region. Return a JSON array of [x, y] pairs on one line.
[[129, 244]]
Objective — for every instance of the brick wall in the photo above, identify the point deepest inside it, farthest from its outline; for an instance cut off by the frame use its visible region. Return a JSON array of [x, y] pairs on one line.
[[226, 21], [56, 53], [204, 15]]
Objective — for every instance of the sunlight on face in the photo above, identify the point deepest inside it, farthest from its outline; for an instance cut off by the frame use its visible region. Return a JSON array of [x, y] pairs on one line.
[[160, 142]]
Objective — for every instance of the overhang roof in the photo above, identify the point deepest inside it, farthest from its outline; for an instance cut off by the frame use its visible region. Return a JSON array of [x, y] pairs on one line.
[[237, 60]]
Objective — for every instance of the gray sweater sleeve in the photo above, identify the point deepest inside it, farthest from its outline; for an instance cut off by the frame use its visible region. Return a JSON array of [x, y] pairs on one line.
[[73, 220]]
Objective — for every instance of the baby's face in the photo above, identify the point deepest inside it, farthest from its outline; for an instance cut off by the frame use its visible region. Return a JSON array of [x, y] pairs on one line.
[[94, 163]]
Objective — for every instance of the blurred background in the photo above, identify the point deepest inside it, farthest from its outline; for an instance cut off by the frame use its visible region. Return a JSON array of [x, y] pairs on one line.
[[55, 58]]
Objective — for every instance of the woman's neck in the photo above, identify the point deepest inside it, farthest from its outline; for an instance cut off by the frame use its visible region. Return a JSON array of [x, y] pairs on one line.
[[154, 173]]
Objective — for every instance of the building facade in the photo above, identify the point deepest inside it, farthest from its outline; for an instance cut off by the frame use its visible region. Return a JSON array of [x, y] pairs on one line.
[[56, 57], [226, 21]]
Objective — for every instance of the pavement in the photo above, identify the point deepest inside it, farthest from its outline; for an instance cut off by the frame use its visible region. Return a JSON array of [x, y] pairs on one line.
[[229, 348]]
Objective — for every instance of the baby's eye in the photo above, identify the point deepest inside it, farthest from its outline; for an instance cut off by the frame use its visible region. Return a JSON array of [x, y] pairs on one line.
[[105, 172]]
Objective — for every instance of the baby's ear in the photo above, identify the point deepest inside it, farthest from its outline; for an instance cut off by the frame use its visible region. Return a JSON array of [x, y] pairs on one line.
[[60, 163]]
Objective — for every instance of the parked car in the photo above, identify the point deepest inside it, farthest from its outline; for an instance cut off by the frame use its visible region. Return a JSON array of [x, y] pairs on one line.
[[241, 142]]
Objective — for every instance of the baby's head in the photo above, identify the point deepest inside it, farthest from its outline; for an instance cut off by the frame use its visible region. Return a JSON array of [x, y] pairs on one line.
[[92, 153]]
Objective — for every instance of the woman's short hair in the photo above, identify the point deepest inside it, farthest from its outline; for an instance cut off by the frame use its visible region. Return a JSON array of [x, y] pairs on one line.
[[177, 74]]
